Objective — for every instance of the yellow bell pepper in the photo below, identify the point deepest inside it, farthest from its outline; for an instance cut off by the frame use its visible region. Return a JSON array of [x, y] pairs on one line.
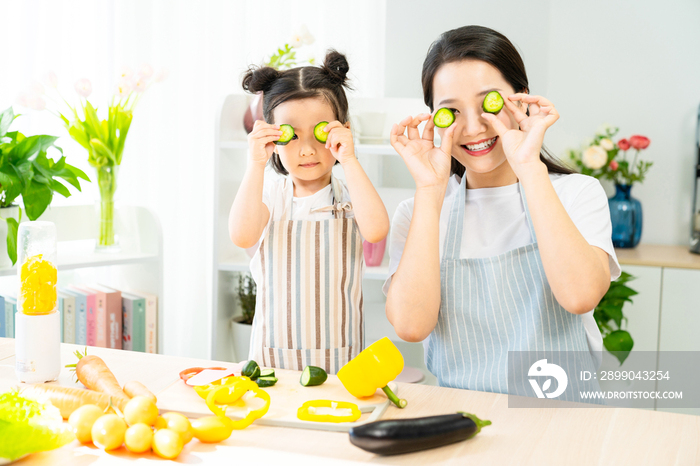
[[307, 412], [229, 391], [373, 368]]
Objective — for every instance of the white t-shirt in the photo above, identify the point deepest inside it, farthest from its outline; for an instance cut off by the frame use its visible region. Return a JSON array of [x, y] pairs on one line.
[[276, 199], [495, 222]]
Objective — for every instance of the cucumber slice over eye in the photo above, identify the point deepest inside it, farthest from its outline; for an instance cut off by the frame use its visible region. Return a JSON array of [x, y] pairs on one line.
[[287, 135], [320, 135], [493, 102], [312, 375], [444, 118]]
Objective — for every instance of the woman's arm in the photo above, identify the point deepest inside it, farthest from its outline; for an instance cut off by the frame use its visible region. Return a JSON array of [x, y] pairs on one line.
[[249, 214], [577, 272], [413, 299]]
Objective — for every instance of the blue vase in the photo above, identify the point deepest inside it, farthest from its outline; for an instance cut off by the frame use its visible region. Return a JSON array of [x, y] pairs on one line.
[[626, 216]]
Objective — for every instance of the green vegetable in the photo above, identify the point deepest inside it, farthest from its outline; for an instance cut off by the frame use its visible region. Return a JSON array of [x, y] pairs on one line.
[[493, 102], [27, 426], [320, 135], [250, 368], [444, 118], [312, 375], [266, 381], [287, 135], [267, 373]]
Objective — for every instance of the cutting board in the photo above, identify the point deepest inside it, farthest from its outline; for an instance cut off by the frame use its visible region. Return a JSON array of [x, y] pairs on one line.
[[286, 397]]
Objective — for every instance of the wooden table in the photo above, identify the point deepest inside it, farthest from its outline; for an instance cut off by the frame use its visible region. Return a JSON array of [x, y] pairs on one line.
[[554, 436]]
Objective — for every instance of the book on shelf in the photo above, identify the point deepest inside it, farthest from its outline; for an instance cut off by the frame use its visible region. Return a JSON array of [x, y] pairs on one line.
[[134, 322], [68, 302], [10, 309], [151, 320], [92, 319], [109, 311], [80, 314]]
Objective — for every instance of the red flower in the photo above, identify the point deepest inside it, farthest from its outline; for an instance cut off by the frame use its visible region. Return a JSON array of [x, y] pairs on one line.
[[613, 164], [639, 142], [623, 144]]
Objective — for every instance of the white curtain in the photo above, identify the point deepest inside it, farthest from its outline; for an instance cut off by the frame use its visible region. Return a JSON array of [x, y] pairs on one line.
[[169, 154]]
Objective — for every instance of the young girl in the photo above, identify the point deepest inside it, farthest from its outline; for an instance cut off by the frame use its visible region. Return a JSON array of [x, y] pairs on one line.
[[503, 248], [309, 264]]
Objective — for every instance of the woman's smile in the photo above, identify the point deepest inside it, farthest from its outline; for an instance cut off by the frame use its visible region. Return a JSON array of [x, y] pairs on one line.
[[481, 147]]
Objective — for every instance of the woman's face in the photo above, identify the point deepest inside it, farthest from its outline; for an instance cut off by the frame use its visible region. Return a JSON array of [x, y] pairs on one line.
[[304, 157], [461, 86]]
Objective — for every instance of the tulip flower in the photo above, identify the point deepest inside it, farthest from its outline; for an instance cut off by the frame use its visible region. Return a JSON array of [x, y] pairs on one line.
[[146, 71], [140, 85], [125, 72], [51, 79], [83, 87]]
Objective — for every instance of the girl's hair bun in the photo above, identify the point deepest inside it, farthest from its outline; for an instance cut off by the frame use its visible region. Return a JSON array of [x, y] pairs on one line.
[[259, 79], [336, 67]]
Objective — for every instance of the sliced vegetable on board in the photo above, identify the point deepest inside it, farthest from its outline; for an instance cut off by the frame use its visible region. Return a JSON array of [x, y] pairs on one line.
[[376, 366], [329, 411], [264, 382], [312, 376], [251, 370], [398, 436], [234, 391]]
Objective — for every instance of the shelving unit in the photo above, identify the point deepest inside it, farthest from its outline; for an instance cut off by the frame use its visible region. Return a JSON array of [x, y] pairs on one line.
[[137, 266], [381, 163]]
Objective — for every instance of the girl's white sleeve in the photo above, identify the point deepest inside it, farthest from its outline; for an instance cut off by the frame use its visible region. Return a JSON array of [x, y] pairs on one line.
[[397, 238]]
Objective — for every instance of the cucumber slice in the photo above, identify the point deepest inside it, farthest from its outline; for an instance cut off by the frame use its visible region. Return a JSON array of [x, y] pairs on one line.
[[320, 135], [255, 374], [493, 102], [287, 135], [444, 118], [312, 375], [250, 368], [267, 373], [266, 381]]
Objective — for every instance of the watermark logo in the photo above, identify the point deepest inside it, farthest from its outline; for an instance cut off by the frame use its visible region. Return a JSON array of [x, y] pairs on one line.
[[543, 369]]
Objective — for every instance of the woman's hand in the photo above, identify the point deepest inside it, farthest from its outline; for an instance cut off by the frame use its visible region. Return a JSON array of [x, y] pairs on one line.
[[340, 142], [429, 165], [522, 146], [261, 141]]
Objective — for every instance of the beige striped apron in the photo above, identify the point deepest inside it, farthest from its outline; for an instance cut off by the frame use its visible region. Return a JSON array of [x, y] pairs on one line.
[[309, 308]]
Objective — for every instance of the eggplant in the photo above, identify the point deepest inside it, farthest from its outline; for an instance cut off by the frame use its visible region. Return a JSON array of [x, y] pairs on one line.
[[398, 436]]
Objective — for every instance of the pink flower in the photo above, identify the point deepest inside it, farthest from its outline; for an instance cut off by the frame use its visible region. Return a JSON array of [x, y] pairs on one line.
[[613, 165], [124, 87], [623, 144], [140, 85], [23, 99], [51, 79], [83, 87], [125, 72], [37, 103], [639, 142], [36, 88], [146, 71]]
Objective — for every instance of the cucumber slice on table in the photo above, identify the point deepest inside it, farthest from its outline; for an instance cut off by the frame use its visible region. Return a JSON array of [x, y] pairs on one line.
[[287, 135], [267, 373], [493, 102], [320, 135], [250, 369], [312, 375], [266, 381], [444, 118]]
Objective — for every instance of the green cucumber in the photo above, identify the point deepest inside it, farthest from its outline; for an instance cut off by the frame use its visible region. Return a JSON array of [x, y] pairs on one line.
[[266, 381], [493, 102], [444, 118], [320, 135], [250, 369], [312, 375], [267, 373], [287, 135]]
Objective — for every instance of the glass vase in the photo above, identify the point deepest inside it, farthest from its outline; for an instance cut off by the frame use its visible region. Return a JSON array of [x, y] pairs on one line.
[[107, 181], [626, 217]]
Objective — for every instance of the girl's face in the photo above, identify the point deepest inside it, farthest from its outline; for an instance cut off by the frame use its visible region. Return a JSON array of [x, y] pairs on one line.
[[306, 159], [461, 86]]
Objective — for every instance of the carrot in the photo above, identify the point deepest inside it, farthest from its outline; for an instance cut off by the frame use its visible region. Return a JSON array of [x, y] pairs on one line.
[[135, 388], [66, 399], [95, 375]]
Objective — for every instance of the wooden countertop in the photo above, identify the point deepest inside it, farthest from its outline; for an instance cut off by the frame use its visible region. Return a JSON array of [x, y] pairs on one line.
[[659, 255], [517, 437]]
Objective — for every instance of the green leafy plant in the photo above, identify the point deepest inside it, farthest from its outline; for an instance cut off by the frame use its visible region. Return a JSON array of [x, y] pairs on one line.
[[609, 317], [286, 56], [247, 291], [26, 171]]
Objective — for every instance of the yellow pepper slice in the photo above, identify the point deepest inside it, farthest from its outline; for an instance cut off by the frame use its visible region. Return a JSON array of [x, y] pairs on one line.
[[376, 366], [307, 412], [229, 391]]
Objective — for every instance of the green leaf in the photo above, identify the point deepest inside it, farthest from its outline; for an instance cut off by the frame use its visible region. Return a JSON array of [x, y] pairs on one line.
[[620, 292], [31, 146], [12, 227], [6, 118], [37, 198], [613, 312], [93, 122], [103, 151], [619, 343], [58, 187]]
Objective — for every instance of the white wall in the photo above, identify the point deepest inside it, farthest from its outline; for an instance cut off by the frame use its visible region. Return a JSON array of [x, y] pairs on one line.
[[634, 64]]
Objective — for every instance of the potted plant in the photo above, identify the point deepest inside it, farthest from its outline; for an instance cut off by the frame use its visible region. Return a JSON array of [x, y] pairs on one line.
[[242, 325], [28, 174], [609, 317]]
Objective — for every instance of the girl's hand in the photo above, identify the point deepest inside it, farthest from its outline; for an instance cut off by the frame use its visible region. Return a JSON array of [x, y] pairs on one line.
[[340, 142], [522, 146], [261, 141], [429, 165]]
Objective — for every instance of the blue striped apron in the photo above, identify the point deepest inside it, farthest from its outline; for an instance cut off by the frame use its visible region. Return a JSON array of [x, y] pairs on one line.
[[309, 305], [493, 305]]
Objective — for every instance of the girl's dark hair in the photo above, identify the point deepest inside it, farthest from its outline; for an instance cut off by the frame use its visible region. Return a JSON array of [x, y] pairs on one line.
[[492, 47], [327, 81]]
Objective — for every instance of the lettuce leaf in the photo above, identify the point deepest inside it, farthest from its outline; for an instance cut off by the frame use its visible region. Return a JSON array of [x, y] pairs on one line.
[[27, 426]]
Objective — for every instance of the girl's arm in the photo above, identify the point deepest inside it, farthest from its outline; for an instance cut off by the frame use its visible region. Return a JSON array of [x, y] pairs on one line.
[[370, 213], [578, 273], [249, 214], [413, 299]]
